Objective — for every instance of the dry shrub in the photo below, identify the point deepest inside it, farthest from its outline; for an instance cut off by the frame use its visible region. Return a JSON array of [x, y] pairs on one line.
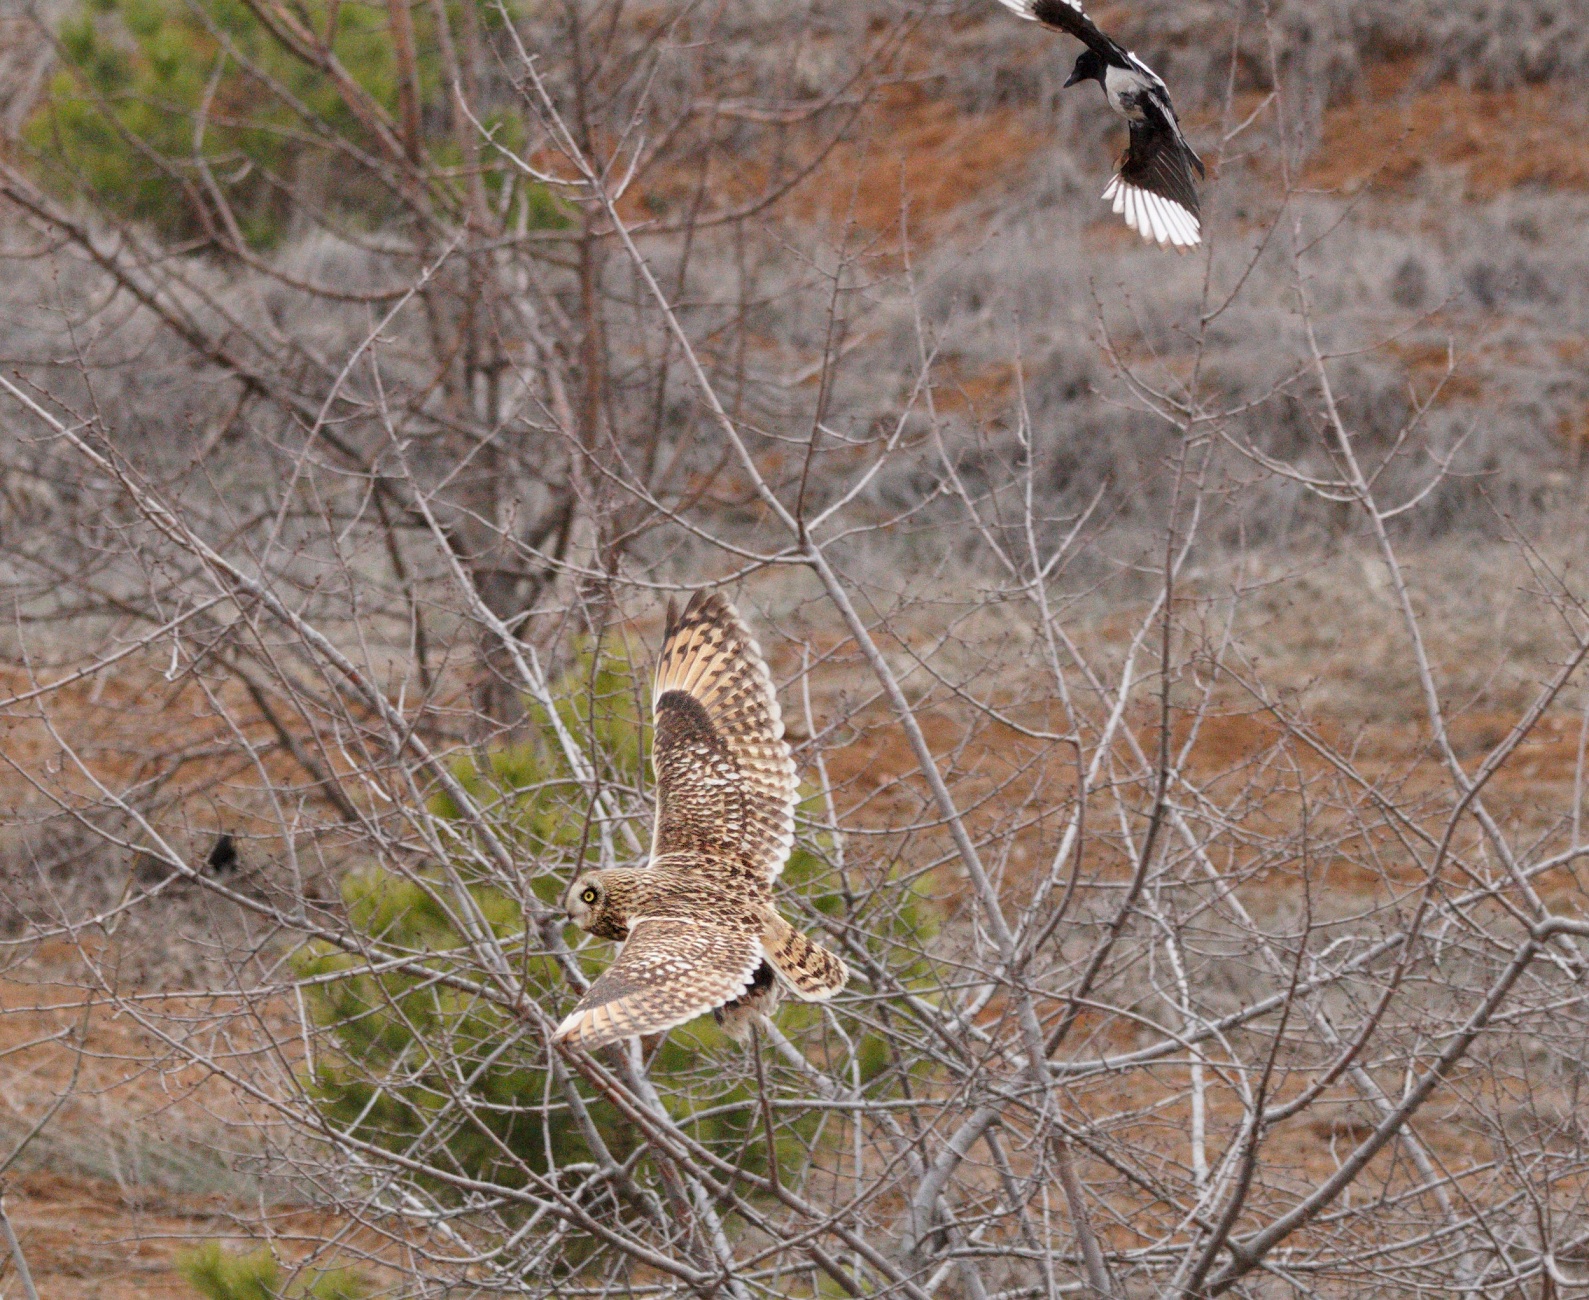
[[1184, 658]]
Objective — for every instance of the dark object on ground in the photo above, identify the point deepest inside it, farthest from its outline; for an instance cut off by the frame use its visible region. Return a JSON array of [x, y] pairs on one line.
[[223, 859]]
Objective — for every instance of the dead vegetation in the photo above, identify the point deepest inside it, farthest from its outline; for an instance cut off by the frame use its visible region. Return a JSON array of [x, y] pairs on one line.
[[1182, 654]]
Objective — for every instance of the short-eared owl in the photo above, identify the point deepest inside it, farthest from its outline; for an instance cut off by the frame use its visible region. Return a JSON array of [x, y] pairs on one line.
[[697, 923]]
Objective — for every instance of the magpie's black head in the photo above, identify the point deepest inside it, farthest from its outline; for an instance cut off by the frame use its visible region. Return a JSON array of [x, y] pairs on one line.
[[1089, 67]]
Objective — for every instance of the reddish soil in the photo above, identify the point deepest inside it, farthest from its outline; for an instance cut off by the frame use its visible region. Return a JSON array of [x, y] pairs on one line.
[[1497, 140], [86, 1240]]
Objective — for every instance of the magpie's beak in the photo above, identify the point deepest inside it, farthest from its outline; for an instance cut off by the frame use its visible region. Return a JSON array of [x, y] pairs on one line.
[[1074, 77]]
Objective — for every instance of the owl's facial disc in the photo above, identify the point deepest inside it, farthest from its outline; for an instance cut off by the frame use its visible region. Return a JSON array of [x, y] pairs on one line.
[[582, 901]]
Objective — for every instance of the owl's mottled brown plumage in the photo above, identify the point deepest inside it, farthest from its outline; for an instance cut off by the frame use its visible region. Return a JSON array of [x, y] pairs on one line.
[[698, 925]]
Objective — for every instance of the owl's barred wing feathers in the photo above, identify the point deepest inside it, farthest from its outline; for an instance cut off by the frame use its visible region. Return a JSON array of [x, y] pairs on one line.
[[669, 971], [726, 784], [810, 970]]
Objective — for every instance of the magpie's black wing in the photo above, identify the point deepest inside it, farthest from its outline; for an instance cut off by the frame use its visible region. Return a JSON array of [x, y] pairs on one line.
[[1153, 189], [1069, 17]]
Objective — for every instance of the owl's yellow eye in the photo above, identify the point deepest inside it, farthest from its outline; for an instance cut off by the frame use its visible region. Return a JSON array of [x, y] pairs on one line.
[[587, 895]]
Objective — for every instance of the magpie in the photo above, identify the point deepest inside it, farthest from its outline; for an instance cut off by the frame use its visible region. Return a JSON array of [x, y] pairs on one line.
[[1153, 189]]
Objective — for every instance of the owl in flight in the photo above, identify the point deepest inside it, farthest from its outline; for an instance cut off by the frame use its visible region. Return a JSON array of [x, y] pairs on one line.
[[697, 922]]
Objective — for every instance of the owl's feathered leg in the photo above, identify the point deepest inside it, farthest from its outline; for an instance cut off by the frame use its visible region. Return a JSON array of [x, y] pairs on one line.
[[791, 960], [812, 973], [739, 1017]]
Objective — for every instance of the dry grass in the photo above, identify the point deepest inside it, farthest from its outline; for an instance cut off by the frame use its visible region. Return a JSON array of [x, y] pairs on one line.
[[925, 157], [141, 1161], [1327, 637]]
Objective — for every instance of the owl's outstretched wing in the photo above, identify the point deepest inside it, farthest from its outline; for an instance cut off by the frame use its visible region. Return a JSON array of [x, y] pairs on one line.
[[669, 971], [726, 783]]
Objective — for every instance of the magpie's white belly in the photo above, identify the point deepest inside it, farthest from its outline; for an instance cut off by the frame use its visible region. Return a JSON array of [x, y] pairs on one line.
[[1124, 90]]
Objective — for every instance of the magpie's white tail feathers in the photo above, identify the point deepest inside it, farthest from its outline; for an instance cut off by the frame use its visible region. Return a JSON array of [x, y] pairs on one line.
[[1154, 217]]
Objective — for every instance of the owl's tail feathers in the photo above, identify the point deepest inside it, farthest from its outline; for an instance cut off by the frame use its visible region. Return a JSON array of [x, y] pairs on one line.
[[812, 973]]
